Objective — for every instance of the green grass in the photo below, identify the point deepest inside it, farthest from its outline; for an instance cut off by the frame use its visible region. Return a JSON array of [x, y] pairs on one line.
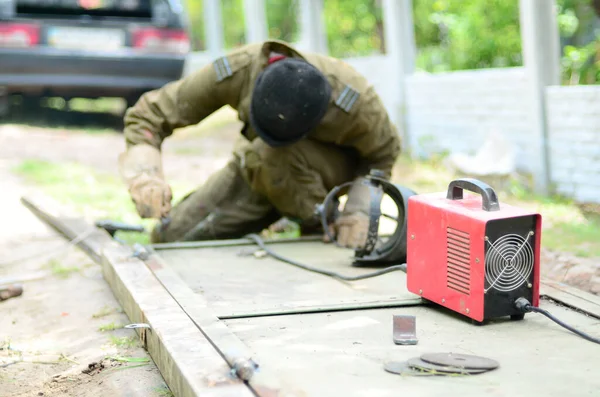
[[106, 311], [91, 194], [109, 327], [124, 341], [60, 270], [123, 359], [163, 391]]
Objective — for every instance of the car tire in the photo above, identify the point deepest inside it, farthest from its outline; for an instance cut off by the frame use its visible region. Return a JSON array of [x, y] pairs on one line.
[[4, 103]]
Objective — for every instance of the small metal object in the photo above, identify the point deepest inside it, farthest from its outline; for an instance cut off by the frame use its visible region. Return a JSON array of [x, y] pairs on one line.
[[112, 227], [141, 325], [244, 368], [417, 363], [405, 330], [402, 368], [458, 360], [10, 291], [140, 252]]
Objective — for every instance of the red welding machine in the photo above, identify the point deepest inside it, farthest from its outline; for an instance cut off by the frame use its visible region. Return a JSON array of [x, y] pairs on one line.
[[471, 254]]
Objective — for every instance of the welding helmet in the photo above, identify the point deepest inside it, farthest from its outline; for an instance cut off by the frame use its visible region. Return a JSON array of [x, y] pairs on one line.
[[289, 99]]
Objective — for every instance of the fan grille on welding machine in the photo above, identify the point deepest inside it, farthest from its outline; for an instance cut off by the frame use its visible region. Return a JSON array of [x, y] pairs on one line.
[[508, 262]]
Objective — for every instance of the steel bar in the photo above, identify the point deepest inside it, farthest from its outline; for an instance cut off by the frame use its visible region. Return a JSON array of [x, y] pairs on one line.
[[227, 243]]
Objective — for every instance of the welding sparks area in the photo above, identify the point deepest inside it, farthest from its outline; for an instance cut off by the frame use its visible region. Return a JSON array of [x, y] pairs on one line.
[[299, 198]]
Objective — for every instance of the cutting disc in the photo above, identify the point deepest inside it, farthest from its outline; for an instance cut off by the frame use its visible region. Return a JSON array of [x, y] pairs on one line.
[[460, 361], [402, 368], [417, 363]]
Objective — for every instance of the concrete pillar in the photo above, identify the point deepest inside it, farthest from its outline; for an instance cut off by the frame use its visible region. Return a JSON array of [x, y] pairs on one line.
[[313, 33], [255, 14], [401, 53], [541, 59], [213, 25]]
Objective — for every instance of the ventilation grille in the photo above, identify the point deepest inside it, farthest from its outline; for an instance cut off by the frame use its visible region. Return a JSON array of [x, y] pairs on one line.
[[458, 260]]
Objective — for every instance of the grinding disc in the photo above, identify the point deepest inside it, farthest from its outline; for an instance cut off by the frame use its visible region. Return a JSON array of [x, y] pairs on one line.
[[417, 363], [402, 368], [460, 361]]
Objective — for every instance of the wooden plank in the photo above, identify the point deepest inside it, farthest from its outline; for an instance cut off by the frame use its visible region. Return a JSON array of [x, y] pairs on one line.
[[186, 359], [571, 296], [238, 284], [263, 381]]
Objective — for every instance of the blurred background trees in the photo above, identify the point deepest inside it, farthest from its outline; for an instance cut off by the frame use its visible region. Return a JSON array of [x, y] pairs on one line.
[[450, 34]]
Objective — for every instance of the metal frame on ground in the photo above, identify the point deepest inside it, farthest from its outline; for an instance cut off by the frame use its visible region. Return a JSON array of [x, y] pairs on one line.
[[195, 351]]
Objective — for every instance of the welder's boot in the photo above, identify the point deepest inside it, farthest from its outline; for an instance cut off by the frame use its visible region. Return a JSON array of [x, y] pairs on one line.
[[223, 207]]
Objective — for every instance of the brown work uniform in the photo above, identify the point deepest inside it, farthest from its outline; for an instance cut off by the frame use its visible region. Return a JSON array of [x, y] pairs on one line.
[[262, 183]]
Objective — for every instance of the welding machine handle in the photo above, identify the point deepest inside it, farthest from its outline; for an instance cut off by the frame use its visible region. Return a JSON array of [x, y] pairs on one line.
[[488, 195]]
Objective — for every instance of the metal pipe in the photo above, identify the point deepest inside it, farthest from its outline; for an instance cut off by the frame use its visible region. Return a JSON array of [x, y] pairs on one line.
[[228, 243]]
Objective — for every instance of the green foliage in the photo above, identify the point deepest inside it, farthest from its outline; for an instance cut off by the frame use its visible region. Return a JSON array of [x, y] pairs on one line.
[[467, 34], [579, 38], [450, 34], [234, 25], [282, 21], [354, 27], [195, 16]]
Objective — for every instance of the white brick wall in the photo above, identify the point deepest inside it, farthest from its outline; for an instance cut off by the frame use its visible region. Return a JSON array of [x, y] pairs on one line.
[[380, 73], [573, 117], [455, 111]]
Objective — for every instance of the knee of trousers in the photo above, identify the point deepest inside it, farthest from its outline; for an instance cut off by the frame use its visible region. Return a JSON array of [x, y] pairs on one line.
[[294, 178]]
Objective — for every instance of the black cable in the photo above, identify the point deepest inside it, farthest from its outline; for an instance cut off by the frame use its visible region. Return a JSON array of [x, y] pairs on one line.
[[259, 241], [524, 306]]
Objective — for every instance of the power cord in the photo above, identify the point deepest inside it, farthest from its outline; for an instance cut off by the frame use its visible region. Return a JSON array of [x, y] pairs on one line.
[[525, 306], [260, 242]]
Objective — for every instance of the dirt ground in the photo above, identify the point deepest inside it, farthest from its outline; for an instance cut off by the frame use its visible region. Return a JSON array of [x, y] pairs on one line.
[[50, 338], [50, 341]]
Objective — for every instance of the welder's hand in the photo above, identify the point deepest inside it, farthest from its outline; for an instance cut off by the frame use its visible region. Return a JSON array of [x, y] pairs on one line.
[[151, 195], [352, 229], [141, 168]]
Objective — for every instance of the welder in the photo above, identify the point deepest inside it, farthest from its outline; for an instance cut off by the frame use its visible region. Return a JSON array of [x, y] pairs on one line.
[[310, 122]]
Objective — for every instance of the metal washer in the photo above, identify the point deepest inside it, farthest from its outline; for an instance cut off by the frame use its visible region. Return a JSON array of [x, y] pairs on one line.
[[417, 363], [458, 360]]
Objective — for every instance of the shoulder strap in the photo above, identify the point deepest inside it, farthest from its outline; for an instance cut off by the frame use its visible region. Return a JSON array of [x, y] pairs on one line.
[[222, 68], [347, 98]]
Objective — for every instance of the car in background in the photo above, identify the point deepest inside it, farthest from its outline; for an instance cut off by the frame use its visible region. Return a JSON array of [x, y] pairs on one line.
[[90, 48]]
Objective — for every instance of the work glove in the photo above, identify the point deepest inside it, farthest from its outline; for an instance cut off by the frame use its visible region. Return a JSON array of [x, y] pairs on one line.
[[352, 229], [141, 169], [352, 226]]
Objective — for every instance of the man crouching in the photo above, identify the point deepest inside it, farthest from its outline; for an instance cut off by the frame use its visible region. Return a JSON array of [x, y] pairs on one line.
[[311, 122]]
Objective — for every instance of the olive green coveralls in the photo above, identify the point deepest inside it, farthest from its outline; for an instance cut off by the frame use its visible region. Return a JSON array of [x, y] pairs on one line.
[[260, 184]]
